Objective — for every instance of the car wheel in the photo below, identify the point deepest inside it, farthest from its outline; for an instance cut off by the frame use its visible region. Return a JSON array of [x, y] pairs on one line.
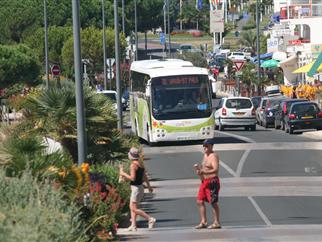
[[265, 124], [246, 128], [216, 127], [291, 130]]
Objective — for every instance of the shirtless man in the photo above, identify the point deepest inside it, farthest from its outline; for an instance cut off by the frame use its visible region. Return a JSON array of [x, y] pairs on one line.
[[209, 187]]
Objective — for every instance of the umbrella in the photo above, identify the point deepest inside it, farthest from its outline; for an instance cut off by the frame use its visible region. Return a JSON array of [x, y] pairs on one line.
[[270, 64]]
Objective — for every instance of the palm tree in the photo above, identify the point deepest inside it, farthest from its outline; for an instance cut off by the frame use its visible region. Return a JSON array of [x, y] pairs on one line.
[[248, 39], [53, 114]]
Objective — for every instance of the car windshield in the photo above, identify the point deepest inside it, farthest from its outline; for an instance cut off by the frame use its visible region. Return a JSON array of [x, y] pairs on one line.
[[180, 97], [111, 96], [238, 103], [305, 108], [274, 103]]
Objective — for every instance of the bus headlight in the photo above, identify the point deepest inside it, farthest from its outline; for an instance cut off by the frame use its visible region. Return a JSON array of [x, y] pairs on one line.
[[206, 130], [160, 132]]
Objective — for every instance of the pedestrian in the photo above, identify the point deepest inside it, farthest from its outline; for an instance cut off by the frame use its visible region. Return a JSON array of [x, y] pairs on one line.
[[209, 187], [136, 177]]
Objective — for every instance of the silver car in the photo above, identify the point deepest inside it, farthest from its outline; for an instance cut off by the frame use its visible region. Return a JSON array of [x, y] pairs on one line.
[[235, 112]]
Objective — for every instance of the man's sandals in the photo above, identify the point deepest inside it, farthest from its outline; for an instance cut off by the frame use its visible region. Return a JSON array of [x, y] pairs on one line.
[[204, 225], [214, 226]]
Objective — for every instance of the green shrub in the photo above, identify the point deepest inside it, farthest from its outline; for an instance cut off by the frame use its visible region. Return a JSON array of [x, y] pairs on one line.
[[31, 211]]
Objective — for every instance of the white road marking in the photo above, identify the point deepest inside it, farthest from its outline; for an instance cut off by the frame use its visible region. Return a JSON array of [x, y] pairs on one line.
[[227, 168], [248, 140], [242, 162], [260, 212]]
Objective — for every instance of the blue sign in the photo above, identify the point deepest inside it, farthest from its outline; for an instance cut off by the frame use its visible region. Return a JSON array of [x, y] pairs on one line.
[[162, 38]]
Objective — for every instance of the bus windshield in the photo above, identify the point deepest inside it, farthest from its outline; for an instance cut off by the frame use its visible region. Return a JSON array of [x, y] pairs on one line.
[[181, 97]]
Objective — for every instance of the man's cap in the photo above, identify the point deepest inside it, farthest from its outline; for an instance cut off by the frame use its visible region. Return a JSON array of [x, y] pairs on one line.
[[209, 142], [134, 154]]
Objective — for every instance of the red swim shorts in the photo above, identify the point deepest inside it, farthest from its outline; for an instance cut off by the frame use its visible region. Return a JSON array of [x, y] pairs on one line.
[[209, 190]]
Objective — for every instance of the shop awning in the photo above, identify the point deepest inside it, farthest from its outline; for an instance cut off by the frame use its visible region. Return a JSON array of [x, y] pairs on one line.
[[307, 68]]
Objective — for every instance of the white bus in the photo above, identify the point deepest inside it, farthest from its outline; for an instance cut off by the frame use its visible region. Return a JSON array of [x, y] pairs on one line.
[[170, 100]]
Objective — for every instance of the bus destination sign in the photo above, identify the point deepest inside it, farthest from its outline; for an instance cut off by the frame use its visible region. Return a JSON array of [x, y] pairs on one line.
[[180, 80]]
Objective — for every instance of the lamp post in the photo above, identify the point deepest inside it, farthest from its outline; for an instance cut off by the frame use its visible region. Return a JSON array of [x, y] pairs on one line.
[[117, 65], [136, 29], [169, 39], [81, 141], [104, 44], [123, 16], [257, 46], [46, 44]]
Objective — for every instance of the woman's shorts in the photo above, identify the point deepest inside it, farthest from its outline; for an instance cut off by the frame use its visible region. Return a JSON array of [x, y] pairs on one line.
[[137, 193]]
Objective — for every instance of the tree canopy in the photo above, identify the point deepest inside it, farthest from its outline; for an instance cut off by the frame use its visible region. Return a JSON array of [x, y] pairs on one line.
[[17, 64]]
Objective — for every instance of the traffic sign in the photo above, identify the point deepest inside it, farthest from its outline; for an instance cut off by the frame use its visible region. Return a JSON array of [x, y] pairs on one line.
[[239, 64], [55, 70]]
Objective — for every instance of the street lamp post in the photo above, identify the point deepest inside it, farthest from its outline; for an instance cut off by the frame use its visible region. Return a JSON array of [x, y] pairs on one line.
[[136, 29], [81, 141], [104, 44], [46, 44], [123, 16], [169, 39], [257, 46], [117, 65]]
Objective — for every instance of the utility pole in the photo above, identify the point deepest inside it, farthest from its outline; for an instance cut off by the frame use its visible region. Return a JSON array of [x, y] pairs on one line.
[[123, 17], [104, 44], [169, 38], [117, 65], [165, 22], [46, 45], [81, 141], [258, 47], [180, 14], [136, 30]]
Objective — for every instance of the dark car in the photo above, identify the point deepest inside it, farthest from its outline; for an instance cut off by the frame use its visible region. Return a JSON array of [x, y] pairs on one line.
[[266, 110], [283, 110], [303, 115]]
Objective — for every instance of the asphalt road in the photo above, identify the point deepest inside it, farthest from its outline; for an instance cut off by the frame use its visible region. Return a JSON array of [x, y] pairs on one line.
[[271, 189]]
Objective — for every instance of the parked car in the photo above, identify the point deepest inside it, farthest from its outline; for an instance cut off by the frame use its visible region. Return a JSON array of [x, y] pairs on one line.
[[283, 110], [237, 56], [111, 94], [265, 113], [235, 112], [303, 115], [268, 115], [188, 48]]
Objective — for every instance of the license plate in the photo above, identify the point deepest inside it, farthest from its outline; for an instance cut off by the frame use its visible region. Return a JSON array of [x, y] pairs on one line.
[[239, 113], [183, 138], [307, 117]]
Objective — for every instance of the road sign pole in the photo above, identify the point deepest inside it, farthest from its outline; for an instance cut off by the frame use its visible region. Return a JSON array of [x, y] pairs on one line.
[[104, 44]]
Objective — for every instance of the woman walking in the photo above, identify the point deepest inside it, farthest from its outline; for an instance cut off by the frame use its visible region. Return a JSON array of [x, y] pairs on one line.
[[136, 177]]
